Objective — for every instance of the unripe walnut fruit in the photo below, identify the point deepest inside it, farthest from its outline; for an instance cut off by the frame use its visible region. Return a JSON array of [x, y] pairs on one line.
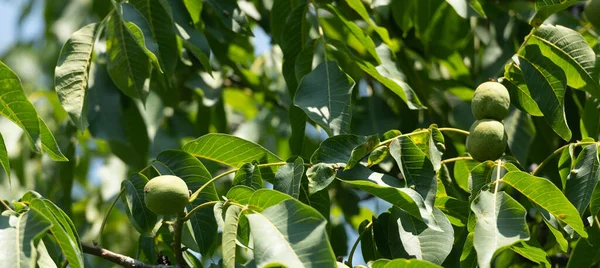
[[487, 140], [490, 101], [166, 195]]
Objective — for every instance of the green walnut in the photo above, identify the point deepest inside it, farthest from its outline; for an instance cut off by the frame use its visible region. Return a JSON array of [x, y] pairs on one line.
[[491, 100], [487, 140], [166, 195], [592, 9]]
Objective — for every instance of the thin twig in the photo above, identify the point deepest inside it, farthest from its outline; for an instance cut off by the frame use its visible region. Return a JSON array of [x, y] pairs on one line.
[[356, 243], [112, 205], [450, 160], [197, 192], [189, 214], [6, 205], [124, 261], [442, 129], [558, 152]]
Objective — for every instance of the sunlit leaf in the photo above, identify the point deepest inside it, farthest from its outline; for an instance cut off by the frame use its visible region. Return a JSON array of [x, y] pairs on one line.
[[4, 158], [19, 237], [324, 95], [544, 9], [232, 218], [230, 14], [500, 223], [583, 178], [249, 175], [545, 194], [533, 253]]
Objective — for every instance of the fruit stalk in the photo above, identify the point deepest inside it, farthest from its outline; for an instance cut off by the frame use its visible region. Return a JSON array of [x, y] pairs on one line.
[[177, 232]]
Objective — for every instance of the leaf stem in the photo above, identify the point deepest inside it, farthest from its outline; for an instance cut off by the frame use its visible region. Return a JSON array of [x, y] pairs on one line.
[[450, 160], [197, 192], [356, 243], [112, 205], [498, 169], [442, 129], [6, 205], [189, 214], [177, 232], [557, 152]]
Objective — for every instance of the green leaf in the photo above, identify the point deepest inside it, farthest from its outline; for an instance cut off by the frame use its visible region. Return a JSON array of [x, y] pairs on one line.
[[319, 177], [462, 171], [4, 158], [140, 29], [456, 210], [49, 144], [142, 219], [520, 95], [403, 263], [248, 174], [554, 227], [468, 257], [500, 223], [341, 150], [569, 50], [547, 79], [194, 8], [520, 131], [544, 9], [71, 73], [264, 198], [20, 236], [240, 194], [128, 64], [192, 39], [583, 178], [533, 253], [368, 246], [460, 6], [377, 155], [232, 151], [358, 6], [289, 176], [391, 190], [586, 251], [15, 106], [595, 200], [161, 26], [480, 176], [193, 172], [421, 241], [325, 96], [62, 229], [544, 193], [296, 239], [232, 218], [356, 31], [416, 168], [230, 14]]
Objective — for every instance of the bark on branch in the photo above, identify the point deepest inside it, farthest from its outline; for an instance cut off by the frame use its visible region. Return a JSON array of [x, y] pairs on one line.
[[119, 259]]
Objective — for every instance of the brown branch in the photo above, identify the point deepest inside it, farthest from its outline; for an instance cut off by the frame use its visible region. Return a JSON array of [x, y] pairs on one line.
[[119, 259]]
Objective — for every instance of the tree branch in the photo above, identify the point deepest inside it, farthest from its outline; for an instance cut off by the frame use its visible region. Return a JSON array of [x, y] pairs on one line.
[[119, 259]]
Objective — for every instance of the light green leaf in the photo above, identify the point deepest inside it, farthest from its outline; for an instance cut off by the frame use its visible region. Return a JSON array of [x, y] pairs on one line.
[[544, 193], [583, 178], [193, 172], [240, 194], [319, 177], [544, 9], [325, 96], [162, 30], [468, 257], [403, 263], [230, 14], [547, 79], [232, 219], [249, 175], [462, 171], [142, 219], [358, 6], [480, 176], [356, 31], [264, 198], [71, 73], [500, 223], [232, 151], [194, 8], [340, 149], [15, 106], [128, 64], [377, 155], [416, 169], [534, 253], [49, 144], [20, 236], [421, 241], [569, 50], [288, 177], [456, 210], [292, 234], [362, 150], [62, 229], [4, 158], [391, 190]]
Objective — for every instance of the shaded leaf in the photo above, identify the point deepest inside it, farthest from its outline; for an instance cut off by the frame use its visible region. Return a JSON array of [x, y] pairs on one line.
[[20, 236], [533, 253], [142, 219], [520, 95], [583, 178], [71, 73], [356, 31], [544, 9], [248, 174], [232, 218], [289, 176], [230, 14]]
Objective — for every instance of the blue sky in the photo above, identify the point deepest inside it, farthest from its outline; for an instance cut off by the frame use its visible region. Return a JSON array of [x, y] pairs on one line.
[[9, 16]]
